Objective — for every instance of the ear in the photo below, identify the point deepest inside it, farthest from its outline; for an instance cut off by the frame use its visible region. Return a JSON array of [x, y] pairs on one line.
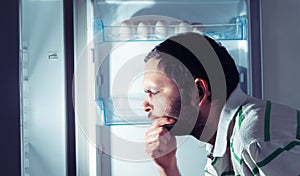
[[202, 86]]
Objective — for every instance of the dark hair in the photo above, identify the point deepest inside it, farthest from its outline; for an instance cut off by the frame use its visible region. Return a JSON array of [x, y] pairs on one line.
[[172, 48]]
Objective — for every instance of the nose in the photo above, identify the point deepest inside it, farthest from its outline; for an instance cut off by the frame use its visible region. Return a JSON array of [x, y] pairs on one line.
[[147, 106]]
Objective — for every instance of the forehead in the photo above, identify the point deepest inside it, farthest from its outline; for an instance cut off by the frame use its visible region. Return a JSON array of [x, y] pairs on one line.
[[152, 66], [154, 73]]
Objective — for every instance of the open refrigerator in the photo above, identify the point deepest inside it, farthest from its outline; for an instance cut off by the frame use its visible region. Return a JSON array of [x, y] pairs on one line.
[[111, 41], [105, 84]]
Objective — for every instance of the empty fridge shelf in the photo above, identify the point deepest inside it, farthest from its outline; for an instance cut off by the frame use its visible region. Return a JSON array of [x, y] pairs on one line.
[[122, 111]]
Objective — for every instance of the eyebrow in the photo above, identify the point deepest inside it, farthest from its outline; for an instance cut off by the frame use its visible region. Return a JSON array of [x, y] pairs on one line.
[[150, 89], [147, 91]]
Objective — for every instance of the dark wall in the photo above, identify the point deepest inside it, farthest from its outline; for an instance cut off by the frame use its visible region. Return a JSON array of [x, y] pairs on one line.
[[9, 88]]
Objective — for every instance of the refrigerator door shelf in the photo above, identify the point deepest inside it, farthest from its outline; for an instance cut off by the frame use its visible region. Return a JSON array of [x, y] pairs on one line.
[[122, 111], [135, 30]]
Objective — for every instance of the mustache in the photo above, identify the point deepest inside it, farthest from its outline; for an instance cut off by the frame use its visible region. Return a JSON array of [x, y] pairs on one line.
[[153, 116]]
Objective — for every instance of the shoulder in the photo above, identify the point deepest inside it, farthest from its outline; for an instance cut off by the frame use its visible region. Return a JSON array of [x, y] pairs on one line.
[[263, 120], [249, 122]]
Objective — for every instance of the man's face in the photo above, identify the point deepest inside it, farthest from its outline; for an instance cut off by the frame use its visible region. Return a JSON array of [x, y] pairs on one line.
[[163, 99], [162, 95]]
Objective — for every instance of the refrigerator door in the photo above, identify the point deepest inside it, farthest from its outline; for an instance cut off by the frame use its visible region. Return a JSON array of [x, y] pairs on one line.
[[42, 88]]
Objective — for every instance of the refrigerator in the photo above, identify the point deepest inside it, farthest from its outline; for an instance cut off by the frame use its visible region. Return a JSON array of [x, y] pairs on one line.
[[112, 37], [81, 83]]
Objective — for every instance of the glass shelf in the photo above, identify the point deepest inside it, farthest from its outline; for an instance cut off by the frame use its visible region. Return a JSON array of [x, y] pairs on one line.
[[151, 29], [122, 111]]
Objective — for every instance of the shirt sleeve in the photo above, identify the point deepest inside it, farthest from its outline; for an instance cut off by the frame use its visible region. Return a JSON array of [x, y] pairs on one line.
[[281, 157]]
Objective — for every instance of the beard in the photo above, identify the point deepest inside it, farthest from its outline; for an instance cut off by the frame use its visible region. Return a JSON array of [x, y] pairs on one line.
[[172, 112], [189, 120]]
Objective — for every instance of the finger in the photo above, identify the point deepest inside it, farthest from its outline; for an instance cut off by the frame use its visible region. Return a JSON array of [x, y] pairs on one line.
[[157, 134], [158, 148], [164, 139], [156, 127], [162, 121], [155, 131], [167, 135]]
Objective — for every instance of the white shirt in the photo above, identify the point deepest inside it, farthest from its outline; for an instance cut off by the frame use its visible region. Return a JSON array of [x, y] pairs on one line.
[[265, 139]]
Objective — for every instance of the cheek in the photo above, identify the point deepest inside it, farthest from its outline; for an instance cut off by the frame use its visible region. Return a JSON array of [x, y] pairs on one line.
[[160, 104]]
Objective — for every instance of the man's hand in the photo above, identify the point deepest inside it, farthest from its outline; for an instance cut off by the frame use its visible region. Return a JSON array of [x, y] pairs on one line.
[[161, 146]]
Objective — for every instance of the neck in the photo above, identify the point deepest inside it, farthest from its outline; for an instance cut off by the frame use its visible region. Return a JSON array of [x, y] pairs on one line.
[[198, 134], [206, 130], [213, 139]]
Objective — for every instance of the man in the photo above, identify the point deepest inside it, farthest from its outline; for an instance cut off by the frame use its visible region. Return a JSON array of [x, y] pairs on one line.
[[191, 87]]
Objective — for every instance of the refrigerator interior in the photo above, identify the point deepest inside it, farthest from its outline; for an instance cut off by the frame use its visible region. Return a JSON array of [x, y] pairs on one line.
[[125, 31], [112, 37]]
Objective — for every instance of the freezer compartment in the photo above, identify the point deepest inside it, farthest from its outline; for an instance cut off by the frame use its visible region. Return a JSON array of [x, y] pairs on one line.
[[158, 28], [122, 111]]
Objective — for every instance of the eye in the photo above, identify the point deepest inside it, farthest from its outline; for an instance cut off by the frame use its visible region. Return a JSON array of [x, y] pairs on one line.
[[155, 93], [151, 92]]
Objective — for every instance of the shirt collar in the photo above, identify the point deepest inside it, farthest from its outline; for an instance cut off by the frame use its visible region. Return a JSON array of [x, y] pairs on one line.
[[233, 103]]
